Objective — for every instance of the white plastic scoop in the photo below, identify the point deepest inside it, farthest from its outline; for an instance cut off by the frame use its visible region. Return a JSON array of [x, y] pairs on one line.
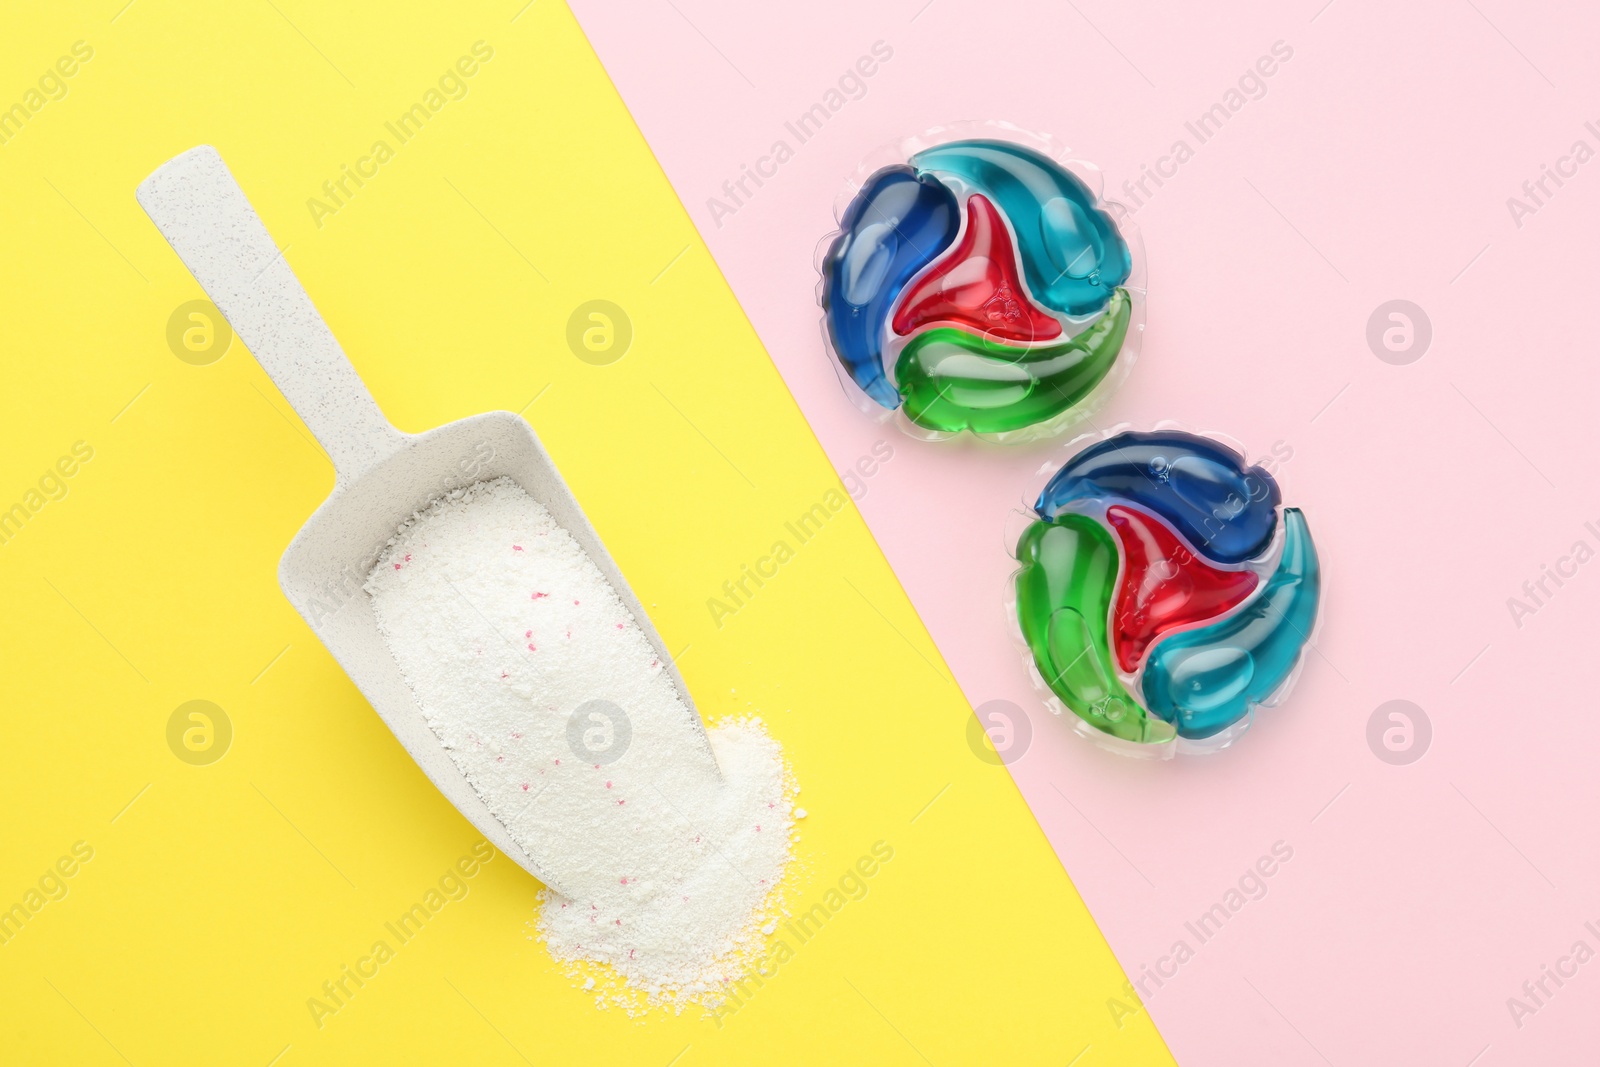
[[383, 476]]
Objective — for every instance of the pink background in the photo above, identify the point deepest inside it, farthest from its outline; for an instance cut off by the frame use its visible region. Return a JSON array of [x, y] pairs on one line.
[[1376, 166]]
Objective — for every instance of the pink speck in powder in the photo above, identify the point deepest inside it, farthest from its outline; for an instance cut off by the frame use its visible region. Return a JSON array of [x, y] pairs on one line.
[[516, 548], [540, 596]]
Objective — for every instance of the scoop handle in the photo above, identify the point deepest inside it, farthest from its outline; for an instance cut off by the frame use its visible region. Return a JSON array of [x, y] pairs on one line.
[[205, 216]]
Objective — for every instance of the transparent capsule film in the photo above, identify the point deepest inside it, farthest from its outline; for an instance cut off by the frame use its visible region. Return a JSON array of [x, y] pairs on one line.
[[979, 285], [1163, 593]]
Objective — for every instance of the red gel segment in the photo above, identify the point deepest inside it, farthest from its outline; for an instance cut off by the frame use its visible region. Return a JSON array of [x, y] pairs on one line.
[[977, 286], [1166, 586]]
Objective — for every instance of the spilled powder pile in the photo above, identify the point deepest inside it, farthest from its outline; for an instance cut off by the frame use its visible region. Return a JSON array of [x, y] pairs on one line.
[[664, 853]]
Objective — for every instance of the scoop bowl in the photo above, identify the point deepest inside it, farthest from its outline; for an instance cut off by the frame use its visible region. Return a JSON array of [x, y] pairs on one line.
[[383, 476]]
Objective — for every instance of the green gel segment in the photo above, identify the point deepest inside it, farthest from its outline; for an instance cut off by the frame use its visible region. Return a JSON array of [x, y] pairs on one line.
[[951, 380], [1069, 572]]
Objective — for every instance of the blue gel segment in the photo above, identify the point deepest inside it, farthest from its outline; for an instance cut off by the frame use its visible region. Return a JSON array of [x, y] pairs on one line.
[[1073, 256], [1207, 679], [1225, 512], [896, 225]]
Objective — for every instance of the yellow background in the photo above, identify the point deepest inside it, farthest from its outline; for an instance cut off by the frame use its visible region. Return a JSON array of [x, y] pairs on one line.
[[224, 895]]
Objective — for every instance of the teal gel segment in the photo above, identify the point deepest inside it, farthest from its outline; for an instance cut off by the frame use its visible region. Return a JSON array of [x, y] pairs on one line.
[[1205, 680], [1073, 256]]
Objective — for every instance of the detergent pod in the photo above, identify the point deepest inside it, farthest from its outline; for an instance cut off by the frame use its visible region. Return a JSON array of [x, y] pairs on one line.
[[1163, 593], [978, 283]]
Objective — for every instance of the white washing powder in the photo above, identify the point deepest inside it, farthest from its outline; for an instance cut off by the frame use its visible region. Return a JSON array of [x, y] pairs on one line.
[[504, 628]]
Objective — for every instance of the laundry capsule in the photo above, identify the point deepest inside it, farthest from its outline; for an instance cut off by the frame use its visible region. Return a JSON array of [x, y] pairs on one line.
[[978, 284], [1163, 594]]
